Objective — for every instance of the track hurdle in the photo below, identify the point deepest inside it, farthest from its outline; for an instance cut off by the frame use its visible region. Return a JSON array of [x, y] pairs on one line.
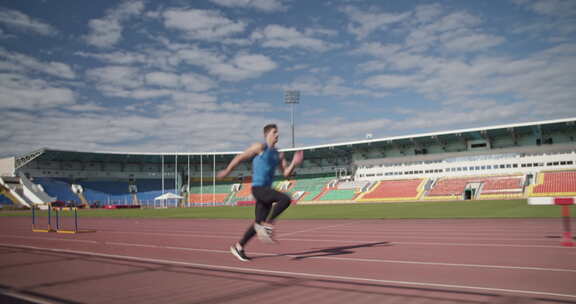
[[56, 224], [35, 221], [68, 230], [565, 203]]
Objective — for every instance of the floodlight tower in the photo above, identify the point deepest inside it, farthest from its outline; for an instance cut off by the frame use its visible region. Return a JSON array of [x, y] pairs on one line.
[[292, 97]]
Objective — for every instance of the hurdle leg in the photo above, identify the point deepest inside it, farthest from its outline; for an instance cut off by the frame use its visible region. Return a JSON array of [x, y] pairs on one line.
[[50, 218], [35, 221], [567, 240], [58, 218], [33, 217], [75, 219]]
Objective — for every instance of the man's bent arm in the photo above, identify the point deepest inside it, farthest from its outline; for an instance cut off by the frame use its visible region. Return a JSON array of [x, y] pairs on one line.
[[247, 154]]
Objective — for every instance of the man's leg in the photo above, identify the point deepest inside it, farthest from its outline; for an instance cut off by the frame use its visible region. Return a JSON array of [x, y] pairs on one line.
[[261, 211], [282, 203], [273, 204]]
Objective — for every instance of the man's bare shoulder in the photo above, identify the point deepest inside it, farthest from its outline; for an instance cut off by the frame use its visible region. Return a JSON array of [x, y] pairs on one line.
[[256, 148]]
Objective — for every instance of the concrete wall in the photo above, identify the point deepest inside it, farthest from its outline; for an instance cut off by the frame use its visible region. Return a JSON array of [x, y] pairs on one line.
[[7, 166]]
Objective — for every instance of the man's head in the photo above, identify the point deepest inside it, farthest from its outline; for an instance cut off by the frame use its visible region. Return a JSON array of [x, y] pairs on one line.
[[271, 134]]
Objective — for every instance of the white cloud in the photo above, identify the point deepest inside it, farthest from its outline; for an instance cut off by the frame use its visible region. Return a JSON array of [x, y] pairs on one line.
[[197, 56], [189, 81], [334, 86], [132, 83], [20, 21], [555, 8], [129, 131], [390, 81], [339, 129], [202, 24], [86, 107], [116, 76], [286, 37], [453, 22], [196, 82], [240, 67], [24, 63], [455, 32], [104, 32], [425, 28], [21, 92], [107, 31], [365, 22], [542, 78], [248, 106], [427, 13], [377, 49], [263, 5], [163, 79], [121, 57], [472, 42], [557, 22]]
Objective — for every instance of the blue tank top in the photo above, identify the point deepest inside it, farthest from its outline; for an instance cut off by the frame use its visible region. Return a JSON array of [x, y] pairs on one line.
[[263, 167]]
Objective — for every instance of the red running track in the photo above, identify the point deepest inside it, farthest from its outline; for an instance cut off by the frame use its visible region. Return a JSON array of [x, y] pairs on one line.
[[316, 261]]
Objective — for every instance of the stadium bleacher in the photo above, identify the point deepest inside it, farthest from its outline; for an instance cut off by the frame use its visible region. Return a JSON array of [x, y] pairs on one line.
[[217, 193], [486, 163], [312, 186], [556, 183], [338, 195], [57, 188], [489, 187], [394, 190]]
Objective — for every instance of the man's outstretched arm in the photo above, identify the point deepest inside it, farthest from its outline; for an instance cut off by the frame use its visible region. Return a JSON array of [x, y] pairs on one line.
[[247, 154]]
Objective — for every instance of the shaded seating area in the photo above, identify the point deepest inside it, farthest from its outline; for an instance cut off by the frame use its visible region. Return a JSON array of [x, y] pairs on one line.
[[60, 189], [106, 192], [149, 189]]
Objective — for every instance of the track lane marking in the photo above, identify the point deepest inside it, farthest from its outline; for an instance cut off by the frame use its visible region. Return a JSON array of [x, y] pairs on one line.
[[302, 274], [266, 254], [368, 241]]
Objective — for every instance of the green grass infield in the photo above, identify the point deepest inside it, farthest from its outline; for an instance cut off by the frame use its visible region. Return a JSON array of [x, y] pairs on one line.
[[405, 210]]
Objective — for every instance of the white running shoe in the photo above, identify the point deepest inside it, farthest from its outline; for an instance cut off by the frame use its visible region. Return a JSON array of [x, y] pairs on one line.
[[265, 233], [238, 252]]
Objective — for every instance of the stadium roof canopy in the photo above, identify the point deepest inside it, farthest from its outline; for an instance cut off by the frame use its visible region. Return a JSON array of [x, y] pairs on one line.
[[312, 152]]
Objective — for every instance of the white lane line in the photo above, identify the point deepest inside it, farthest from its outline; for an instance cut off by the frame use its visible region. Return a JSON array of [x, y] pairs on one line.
[[264, 254], [301, 274], [355, 241], [348, 259], [21, 296], [235, 236], [433, 243], [49, 238], [316, 228]]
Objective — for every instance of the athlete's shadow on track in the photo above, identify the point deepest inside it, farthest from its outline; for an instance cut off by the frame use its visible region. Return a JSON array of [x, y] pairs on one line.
[[332, 251]]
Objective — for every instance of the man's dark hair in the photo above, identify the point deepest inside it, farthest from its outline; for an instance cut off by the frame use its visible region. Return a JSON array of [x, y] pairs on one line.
[[269, 127]]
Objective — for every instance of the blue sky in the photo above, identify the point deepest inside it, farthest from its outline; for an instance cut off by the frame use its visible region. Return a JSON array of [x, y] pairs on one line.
[[206, 75]]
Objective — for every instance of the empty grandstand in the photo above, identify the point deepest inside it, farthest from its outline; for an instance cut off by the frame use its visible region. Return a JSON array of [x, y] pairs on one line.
[[499, 162]]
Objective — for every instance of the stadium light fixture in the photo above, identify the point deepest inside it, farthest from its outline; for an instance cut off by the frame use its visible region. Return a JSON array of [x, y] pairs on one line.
[[292, 97]]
